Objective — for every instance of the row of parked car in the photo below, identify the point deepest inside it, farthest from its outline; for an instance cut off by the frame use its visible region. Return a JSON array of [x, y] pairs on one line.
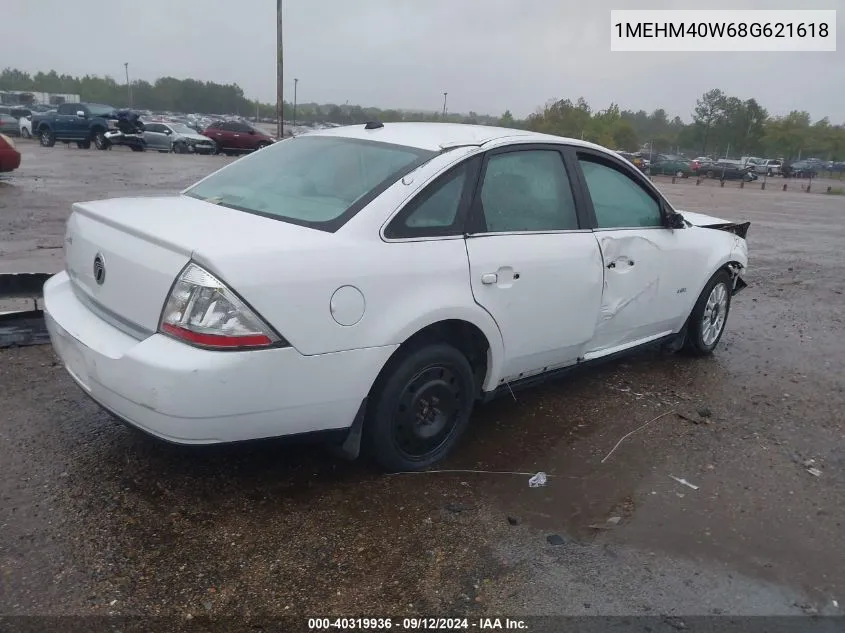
[[746, 168], [102, 125]]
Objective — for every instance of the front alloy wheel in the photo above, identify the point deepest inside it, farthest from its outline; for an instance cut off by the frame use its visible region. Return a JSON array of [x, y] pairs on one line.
[[420, 407], [710, 314], [100, 140]]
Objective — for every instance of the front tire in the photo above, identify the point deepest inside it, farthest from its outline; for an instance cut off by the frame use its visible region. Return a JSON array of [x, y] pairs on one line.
[[47, 138], [420, 407], [100, 140], [707, 321]]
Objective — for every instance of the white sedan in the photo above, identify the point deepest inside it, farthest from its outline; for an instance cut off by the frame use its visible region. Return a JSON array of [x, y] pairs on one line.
[[369, 284]]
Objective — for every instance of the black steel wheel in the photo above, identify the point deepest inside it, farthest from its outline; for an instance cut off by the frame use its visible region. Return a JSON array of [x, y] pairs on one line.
[[420, 407]]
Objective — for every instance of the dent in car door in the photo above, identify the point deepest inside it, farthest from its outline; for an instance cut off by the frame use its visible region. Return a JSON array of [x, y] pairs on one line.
[[637, 251], [531, 267]]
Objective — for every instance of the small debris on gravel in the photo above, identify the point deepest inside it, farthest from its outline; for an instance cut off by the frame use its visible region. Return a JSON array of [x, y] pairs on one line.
[[555, 539], [513, 520]]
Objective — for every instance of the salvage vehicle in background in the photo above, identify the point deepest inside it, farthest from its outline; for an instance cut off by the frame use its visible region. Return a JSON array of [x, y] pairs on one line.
[[769, 167], [9, 125], [82, 123], [10, 157], [236, 137], [369, 284], [671, 165], [729, 170], [176, 137]]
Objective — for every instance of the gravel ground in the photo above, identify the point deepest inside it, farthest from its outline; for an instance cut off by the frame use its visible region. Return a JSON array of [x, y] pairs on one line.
[[97, 519]]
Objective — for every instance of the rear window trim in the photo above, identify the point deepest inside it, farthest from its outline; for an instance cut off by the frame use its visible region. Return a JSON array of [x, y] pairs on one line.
[[334, 225]]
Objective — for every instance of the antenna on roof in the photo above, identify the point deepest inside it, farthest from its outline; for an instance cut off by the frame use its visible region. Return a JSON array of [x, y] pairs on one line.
[[373, 125]]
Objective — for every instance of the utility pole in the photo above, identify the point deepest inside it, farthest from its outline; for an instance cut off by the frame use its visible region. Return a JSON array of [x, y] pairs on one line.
[[445, 94], [295, 82], [128, 85], [280, 75]]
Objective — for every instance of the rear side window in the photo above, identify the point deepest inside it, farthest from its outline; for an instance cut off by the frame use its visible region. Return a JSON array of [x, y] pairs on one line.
[[527, 190], [316, 181], [435, 211]]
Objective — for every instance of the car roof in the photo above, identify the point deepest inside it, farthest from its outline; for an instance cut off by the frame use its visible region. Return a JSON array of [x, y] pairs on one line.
[[439, 136]]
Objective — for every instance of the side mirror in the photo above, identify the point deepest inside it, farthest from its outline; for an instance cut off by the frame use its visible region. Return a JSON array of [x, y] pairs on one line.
[[675, 221], [168, 131], [252, 132], [80, 114]]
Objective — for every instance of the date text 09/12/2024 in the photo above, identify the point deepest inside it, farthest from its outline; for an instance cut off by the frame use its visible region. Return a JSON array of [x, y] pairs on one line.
[[417, 624]]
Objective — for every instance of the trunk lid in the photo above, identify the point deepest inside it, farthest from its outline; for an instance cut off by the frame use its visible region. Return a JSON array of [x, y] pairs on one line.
[[142, 244]]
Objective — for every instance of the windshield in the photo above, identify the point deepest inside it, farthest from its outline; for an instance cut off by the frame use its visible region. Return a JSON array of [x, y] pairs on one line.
[[97, 109], [316, 181], [180, 128]]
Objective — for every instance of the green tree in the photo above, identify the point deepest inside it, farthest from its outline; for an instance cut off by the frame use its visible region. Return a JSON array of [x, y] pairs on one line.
[[708, 110]]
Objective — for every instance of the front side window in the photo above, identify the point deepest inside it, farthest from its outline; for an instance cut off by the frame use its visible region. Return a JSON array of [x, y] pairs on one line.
[[315, 181], [527, 190], [618, 201], [68, 108]]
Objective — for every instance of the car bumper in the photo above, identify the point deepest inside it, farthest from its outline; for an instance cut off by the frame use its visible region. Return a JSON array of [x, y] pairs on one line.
[[192, 396]]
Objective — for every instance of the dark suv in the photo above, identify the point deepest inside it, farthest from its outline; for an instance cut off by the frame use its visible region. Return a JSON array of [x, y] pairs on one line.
[[234, 137]]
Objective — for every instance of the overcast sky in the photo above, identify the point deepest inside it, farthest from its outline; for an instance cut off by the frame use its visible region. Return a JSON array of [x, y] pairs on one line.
[[490, 55]]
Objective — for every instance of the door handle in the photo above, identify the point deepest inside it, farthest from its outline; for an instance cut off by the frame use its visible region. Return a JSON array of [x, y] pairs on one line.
[[489, 278]]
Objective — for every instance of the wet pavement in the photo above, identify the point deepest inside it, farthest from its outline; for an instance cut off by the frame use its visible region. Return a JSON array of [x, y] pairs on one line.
[[97, 519]]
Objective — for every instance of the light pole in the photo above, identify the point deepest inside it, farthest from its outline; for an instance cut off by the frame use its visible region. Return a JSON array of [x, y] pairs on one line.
[[295, 82], [128, 85], [280, 76], [445, 94]]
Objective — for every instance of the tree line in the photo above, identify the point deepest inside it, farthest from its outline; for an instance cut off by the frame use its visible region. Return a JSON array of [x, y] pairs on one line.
[[722, 125]]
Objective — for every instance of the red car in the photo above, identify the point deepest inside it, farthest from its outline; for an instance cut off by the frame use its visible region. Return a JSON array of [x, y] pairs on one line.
[[10, 158], [234, 137]]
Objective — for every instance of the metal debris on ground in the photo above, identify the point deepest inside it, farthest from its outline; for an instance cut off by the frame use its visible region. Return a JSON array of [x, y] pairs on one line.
[[684, 482], [815, 472], [537, 480], [639, 428], [614, 520]]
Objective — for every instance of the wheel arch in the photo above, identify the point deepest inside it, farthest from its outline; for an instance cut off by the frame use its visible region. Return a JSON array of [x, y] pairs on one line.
[[477, 337]]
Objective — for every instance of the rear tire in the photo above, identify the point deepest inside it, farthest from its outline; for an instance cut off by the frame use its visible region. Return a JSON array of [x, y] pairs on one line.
[[709, 316], [47, 138], [419, 407]]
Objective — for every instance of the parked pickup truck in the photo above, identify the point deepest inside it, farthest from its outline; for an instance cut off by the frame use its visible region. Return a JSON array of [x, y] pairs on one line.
[[75, 122]]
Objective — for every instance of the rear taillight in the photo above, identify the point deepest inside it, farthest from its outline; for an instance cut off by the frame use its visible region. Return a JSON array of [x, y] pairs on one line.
[[202, 311]]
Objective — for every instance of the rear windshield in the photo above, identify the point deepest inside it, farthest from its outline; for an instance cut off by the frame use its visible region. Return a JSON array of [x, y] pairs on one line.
[[316, 181]]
